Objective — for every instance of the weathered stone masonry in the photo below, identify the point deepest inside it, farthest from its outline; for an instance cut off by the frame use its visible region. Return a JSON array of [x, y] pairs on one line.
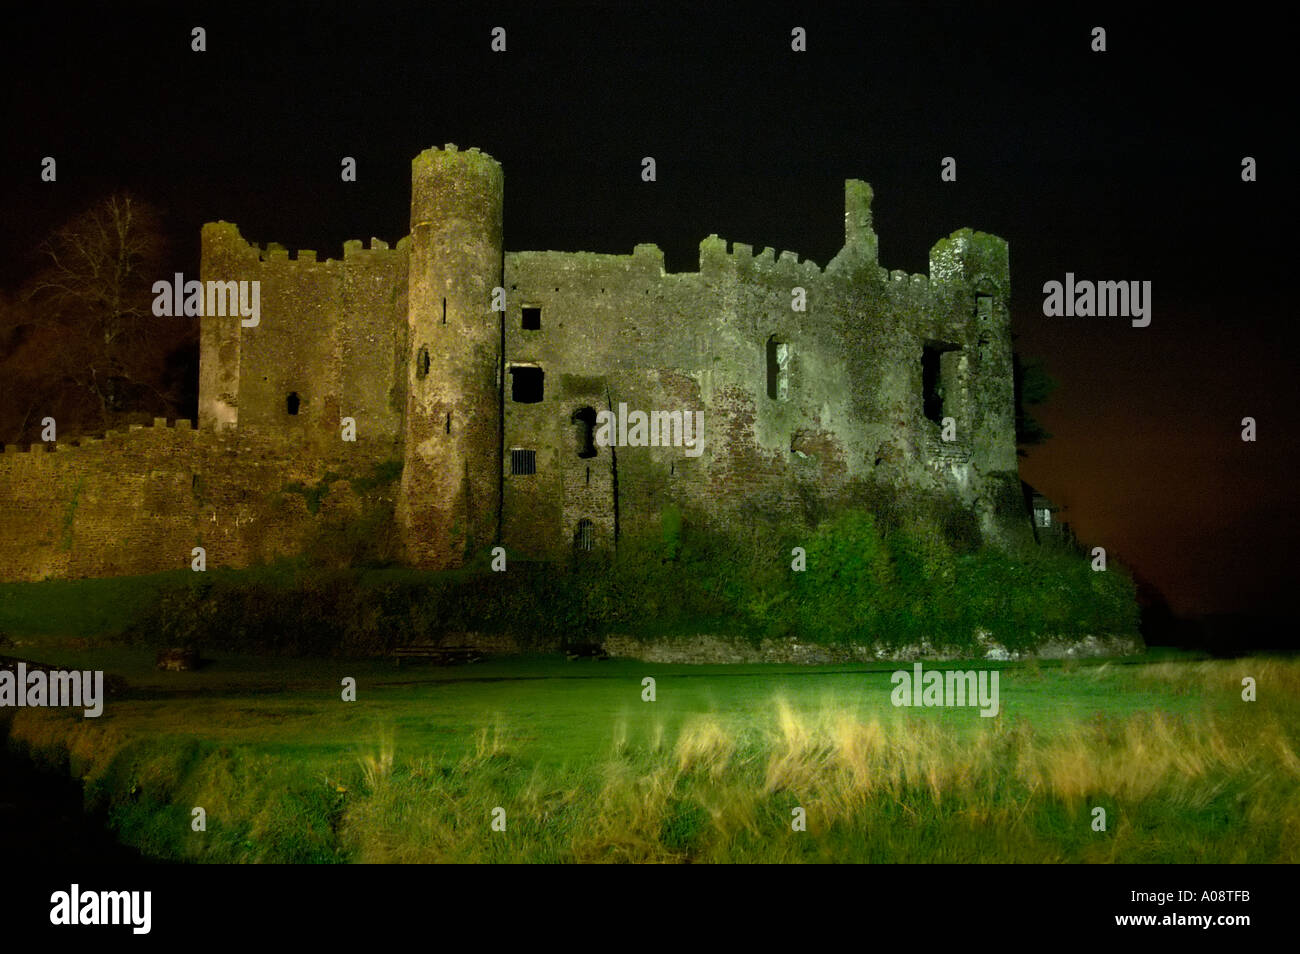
[[491, 412], [139, 501]]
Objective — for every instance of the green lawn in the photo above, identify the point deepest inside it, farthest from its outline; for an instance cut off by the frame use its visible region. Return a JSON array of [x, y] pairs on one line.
[[554, 711]]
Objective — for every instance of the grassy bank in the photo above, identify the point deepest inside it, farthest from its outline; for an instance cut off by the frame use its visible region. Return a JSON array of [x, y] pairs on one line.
[[710, 771]]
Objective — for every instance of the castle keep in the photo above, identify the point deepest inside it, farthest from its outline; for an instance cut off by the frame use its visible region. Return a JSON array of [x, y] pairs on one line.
[[481, 373]]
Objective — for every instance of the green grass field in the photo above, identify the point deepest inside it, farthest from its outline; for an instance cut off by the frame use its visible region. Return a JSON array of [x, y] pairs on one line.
[[713, 770]]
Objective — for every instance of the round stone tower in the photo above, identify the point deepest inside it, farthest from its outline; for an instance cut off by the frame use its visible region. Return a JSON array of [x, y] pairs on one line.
[[451, 483]]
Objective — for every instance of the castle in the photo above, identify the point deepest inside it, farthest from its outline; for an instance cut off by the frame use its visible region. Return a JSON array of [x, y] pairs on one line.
[[484, 374]]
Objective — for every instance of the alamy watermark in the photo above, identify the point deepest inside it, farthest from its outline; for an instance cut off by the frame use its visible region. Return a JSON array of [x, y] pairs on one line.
[[1087, 299], [656, 429], [133, 908], [58, 688], [195, 299], [946, 688]]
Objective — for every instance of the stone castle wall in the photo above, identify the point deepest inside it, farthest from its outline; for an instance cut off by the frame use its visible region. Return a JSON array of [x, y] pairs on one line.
[[619, 330], [139, 501], [409, 344], [331, 332]]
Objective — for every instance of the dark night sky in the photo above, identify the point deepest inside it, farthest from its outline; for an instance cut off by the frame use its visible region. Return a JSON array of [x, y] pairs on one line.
[[1122, 165]]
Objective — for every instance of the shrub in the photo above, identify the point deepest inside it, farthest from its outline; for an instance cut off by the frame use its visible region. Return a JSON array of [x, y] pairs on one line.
[[846, 589], [902, 587]]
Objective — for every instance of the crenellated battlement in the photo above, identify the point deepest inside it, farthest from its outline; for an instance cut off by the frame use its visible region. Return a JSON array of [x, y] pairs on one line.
[[223, 244], [158, 434], [354, 250], [740, 260]]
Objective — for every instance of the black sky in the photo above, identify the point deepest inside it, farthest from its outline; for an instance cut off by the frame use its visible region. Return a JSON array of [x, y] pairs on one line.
[[1118, 165]]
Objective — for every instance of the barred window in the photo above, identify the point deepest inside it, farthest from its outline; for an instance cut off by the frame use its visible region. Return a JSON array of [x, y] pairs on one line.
[[584, 537], [523, 462]]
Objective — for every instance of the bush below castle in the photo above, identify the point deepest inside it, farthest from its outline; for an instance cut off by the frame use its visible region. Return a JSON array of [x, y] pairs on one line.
[[900, 586]]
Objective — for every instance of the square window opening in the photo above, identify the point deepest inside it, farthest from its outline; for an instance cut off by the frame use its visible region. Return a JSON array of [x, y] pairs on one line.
[[526, 384]]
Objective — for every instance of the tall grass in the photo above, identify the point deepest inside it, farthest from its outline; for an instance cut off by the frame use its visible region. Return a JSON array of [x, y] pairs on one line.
[[1172, 788], [1217, 783]]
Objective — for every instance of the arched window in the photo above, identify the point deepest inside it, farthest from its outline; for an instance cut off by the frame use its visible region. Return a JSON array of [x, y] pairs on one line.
[[292, 402], [584, 421], [584, 537]]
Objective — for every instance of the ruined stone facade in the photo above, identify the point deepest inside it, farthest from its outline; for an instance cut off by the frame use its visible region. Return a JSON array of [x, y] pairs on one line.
[[483, 371]]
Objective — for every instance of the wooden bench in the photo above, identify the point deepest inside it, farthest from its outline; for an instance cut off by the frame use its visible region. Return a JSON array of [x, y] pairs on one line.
[[441, 655]]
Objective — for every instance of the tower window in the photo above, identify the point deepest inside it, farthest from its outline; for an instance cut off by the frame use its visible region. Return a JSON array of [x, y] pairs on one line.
[[526, 384], [523, 463], [584, 536], [940, 366], [778, 369], [292, 403], [422, 362], [584, 420], [532, 318], [931, 389]]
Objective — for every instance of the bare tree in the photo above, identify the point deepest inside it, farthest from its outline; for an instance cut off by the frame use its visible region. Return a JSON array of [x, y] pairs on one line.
[[82, 336]]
